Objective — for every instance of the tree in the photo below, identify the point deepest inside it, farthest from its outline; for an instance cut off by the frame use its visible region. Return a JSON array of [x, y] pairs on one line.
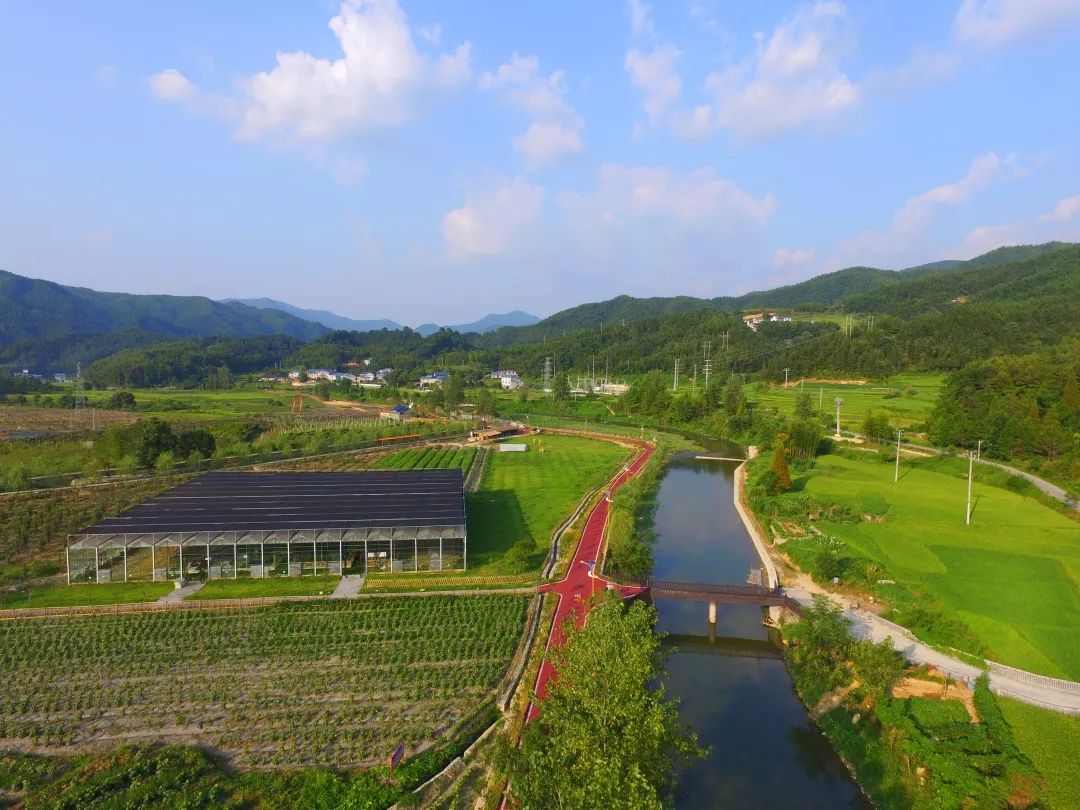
[[612, 741], [121, 401], [649, 395], [804, 406], [523, 394], [198, 441], [560, 388], [453, 390], [485, 403], [805, 438], [779, 466]]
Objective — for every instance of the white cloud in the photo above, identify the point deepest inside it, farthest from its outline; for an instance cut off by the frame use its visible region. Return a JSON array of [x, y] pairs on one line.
[[548, 142], [1062, 222], [379, 81], [171, 85], [900, 242], [1065, 210], [652, 229], [493, 220], [655, 75], [794, 79], [785, 257], [431, 34], [641, 24], [987, 24], [556, 129], [376, 83]]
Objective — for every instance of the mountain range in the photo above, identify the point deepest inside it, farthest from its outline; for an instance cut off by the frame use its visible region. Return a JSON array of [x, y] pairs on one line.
[[335, 321], [44, 325]]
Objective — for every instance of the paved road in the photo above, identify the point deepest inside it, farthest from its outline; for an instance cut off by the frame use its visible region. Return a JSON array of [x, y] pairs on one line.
[[577, 586], [1053, 490], [178, 594], [348, 586], [866, 625]]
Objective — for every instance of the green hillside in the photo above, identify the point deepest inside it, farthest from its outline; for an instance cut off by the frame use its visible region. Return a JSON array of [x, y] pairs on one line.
[[36, 310]]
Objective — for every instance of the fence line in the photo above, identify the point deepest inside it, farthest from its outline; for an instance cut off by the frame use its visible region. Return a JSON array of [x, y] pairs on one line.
[[1030, 677]]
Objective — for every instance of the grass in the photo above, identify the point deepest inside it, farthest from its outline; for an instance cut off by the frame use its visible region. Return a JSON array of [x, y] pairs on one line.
[[108, 593], [1052, 742], [269, 586], [1011, 577], [907, 399], [524, 496]]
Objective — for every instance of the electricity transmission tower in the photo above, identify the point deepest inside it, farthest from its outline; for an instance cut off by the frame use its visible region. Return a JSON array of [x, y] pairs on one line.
[[706, 351], [549, 373]]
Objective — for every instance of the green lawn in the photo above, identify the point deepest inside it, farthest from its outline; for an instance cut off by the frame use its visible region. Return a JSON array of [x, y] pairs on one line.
[[270, 586], [1052, 742], [104, 594], [525, 496], [906, 398], [1013, 576]]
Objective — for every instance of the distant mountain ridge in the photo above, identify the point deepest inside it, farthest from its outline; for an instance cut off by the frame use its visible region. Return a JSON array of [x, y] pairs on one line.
[[488, 323], [335, 321], [328, 319]]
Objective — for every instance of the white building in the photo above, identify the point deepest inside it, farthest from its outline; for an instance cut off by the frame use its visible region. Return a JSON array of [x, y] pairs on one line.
[[511, 382]]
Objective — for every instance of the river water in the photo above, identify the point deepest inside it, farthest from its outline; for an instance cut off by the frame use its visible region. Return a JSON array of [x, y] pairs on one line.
[[765, 753]]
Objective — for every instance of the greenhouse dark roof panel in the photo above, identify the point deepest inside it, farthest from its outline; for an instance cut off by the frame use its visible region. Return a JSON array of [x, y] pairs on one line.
[[254, 501]]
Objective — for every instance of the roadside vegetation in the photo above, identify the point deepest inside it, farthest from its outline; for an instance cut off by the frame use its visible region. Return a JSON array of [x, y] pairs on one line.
[[907, 752], [603, 742]]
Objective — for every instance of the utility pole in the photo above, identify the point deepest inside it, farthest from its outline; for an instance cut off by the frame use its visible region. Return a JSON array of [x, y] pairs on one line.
[[706, 351], [896, 475], [971, 467], [820, 398], [978, 452], [785, 377], [675, 387], [839, 402]]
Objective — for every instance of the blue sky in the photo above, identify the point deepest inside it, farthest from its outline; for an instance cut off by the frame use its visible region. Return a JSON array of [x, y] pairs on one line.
[[432, 161]]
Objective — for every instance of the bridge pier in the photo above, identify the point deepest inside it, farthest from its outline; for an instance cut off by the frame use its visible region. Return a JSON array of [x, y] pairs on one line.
[[712, 614]]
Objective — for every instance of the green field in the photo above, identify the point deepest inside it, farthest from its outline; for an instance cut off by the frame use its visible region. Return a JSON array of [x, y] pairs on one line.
[[196, 405], [326, 683], [907, 399], [1012, 577], [427, 458], [1052, 742], [110, 593], [523, 497], [270, 586]]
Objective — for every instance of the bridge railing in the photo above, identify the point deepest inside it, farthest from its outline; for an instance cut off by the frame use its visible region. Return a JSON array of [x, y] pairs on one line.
[[708, 588]]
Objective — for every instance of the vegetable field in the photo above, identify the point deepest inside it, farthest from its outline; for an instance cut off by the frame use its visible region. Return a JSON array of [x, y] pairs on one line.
[[324, 683], [427, 458]]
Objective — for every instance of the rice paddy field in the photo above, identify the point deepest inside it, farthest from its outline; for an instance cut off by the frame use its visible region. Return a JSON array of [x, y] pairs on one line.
[[907, 399], [326, 683], [1052, 742], [1012, 576]]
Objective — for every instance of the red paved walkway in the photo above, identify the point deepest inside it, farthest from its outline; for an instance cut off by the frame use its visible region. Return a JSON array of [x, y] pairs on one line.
[[577, 586]]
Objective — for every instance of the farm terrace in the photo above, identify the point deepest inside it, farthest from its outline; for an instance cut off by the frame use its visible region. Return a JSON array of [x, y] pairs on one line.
[[248, 524]]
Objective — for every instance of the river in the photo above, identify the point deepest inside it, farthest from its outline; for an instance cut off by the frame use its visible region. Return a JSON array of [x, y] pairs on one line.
[[765, 752]]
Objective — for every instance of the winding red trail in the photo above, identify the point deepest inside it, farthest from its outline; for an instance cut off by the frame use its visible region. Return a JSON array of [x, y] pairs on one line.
[[578, 585]]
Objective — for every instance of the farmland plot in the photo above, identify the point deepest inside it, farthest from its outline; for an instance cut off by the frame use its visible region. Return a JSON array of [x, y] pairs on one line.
[[325, 683]]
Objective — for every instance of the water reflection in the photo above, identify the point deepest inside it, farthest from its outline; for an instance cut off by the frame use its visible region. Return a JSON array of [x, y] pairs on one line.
[[764, 753]]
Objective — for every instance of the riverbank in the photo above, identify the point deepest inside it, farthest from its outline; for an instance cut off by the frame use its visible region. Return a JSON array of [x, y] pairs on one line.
[[863, 751]]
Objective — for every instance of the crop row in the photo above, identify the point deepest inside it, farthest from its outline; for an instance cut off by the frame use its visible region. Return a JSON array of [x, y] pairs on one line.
[[429, 458], [335, 683]]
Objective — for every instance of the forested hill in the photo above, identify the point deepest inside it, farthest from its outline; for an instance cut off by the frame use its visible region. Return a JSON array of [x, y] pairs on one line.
[[35, 310], [837, 290]]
